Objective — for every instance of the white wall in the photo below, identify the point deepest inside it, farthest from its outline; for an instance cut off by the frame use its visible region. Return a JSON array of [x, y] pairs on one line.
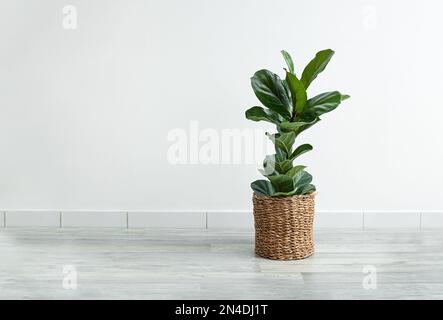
[[85, 114]]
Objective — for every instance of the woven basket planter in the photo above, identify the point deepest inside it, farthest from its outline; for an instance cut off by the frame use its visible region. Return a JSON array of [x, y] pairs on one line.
[[284, 227]]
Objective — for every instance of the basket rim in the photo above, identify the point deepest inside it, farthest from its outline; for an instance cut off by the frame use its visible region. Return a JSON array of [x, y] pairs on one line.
[[311, 195]]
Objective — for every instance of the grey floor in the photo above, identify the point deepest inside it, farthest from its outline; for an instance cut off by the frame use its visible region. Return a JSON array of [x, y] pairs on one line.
[[206, 264]]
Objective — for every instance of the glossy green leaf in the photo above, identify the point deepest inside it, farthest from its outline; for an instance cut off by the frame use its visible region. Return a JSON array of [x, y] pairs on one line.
[[287, 91], [289, 61], [302, 178], [295, 171], [285, 142], [272, 158], [298, 127], [301, 150], [283, 166], [260, 114], [324, 103], [270, 90], [263, 188], [298, 92], [285, 194], [306, 189], [282, 183], [316, 66]]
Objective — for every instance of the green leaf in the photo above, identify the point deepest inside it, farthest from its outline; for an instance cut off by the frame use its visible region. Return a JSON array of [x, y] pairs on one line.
[[285, 194], [272, 158], [292, 126], [287, 91], [316, 66], [302, 178], [345, 97], [282, 183], [288, 60], [274, 164], [285, 142], [263, 188], [298, 126], [270, 90], [306, 189], [283, 166], [301, 150], [260, 114], [269, 165], [298, 92], [324, 103], [295, 170]]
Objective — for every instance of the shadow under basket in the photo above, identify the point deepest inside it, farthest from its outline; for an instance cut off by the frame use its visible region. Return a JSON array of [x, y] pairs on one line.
[[284, 226]]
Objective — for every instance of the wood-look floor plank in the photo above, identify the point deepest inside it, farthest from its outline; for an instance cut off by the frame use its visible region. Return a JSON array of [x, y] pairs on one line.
[[216, 264]]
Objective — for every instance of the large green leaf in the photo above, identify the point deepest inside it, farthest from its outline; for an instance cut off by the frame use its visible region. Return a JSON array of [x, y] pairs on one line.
[[295, 171], [302, 178], [285, 194], [306, 189], [324, 102], [283, 144], [273, 158], [263, 188], [301, 150], [289, 61], [260, 114], [298, 92], [298, 126], [285, 141], [283, 166], [316, 66], [282, 183], [274, 163], [272, 167], [270, 90]]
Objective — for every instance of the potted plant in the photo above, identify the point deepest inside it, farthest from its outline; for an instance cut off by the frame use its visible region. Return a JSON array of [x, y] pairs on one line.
[[284, 204]]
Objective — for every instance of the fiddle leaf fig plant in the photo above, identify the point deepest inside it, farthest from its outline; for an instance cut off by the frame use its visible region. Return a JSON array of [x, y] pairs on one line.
[[286, 105]]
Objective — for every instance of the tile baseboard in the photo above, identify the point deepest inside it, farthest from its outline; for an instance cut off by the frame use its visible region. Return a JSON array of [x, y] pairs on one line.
[[339, 219], [391, 219], [230, 220], [431, 220], [167, 220], [73, 219], [222, 219], [32, 218]]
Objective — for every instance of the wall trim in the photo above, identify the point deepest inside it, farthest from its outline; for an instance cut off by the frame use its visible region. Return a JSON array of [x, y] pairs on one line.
[[213, 219]]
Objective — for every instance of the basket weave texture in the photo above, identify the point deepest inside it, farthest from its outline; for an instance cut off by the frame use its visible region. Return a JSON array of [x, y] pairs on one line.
[[284, 226]]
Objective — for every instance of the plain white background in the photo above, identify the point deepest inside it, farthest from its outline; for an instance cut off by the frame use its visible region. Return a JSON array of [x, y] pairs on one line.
[[85, 114]]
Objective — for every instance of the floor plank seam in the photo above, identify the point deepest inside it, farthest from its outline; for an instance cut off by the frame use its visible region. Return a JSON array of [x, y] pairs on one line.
[[421, 217], [206, 220]]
